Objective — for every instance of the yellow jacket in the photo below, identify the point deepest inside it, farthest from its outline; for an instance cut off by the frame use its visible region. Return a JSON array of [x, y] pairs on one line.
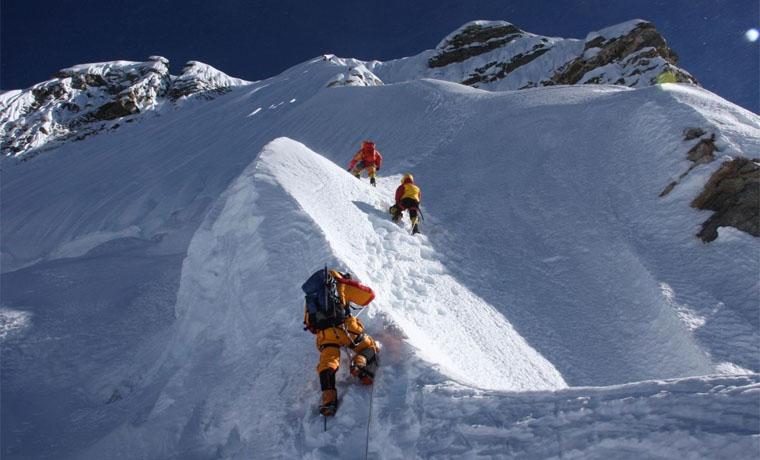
[[408, 190]]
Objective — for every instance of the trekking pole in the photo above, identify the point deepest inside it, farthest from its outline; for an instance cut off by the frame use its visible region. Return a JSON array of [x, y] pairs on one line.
[[420, 211]]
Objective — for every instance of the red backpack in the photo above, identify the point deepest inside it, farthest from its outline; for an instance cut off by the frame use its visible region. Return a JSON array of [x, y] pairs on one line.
[[368, 153]]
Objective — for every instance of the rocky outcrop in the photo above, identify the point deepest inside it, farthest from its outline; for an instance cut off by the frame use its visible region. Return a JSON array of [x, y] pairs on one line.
[[733, 192], [472, 40], [702, 152], [86, 95], [628, 54], [86, 99], [497, 70]]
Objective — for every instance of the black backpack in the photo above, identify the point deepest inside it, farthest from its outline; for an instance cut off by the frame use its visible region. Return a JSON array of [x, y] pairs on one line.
[[323, 304]]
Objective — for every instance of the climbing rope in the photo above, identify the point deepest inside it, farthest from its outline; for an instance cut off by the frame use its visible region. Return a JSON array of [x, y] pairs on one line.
[[369, 418], [369, 415]]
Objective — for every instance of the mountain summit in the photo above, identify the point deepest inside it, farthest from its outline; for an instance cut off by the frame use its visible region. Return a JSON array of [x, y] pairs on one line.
[[493, 55], [496, 55]]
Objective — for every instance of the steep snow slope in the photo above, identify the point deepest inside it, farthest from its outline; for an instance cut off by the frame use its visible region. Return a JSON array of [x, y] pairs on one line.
[[542, 215]]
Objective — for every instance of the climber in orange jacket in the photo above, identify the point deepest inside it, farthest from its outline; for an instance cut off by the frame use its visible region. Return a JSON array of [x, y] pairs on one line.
[[330, 295], [366, 158], [408, 198]]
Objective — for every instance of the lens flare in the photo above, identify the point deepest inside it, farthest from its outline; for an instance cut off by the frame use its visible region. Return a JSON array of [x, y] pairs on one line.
[[752, 35]]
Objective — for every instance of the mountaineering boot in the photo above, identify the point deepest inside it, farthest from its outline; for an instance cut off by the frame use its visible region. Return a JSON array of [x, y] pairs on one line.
[[363, 366], [329, 394], [397, 218], [415, 229], [329, 403], [365, 375], [372, 182]]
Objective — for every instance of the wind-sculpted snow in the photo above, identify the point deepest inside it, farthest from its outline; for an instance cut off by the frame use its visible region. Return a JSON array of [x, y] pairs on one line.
[[652, 419]]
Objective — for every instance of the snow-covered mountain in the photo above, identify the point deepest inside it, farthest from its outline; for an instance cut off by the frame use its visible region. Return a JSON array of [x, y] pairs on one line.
[[493, 55], [90, 98], [496, 55], [558, 303]]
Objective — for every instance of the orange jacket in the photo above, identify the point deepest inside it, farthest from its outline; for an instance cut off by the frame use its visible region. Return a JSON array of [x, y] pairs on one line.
[[369, 157]]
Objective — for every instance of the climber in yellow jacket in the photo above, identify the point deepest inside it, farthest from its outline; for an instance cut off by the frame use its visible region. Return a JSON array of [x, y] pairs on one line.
[[408, 197]]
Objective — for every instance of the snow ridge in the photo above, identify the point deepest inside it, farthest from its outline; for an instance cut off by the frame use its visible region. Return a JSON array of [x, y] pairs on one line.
[[439, 316]]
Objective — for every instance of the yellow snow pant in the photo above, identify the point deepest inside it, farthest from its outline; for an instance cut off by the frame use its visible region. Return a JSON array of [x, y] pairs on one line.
[[349, 335], [370, 171]]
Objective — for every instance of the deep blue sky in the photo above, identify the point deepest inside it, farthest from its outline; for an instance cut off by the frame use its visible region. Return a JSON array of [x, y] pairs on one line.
[[257, 39]]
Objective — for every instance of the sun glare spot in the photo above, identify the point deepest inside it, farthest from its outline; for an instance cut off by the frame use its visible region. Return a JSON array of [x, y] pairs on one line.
[[752, 35]]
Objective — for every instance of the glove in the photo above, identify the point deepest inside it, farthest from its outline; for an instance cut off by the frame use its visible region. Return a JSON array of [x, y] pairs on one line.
[[349, 170]]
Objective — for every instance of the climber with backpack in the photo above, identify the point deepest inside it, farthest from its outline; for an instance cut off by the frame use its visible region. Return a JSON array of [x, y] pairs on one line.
[[366, 158], [330, 297], [408, 198]]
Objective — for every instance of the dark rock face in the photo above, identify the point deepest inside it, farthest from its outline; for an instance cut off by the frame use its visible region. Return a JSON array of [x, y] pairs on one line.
[[733, 192], [504, 67], [473, 40], [692, 133], [703, 152], [638, 50]]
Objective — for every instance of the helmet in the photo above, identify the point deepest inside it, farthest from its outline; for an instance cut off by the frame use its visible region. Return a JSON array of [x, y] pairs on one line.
[[407, 177]]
